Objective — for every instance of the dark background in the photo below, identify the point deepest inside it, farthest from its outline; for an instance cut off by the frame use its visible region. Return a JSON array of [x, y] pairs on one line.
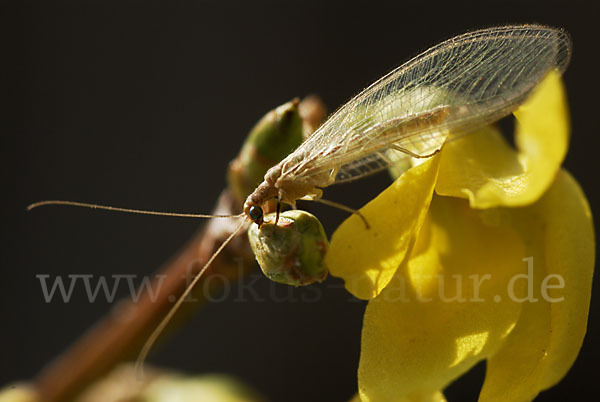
[[142, 104]]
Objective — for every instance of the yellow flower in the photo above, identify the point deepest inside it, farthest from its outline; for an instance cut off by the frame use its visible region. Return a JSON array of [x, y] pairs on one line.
[[481, 252]]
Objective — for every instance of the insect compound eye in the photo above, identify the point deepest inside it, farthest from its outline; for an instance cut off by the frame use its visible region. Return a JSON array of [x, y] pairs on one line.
[[255, 213]]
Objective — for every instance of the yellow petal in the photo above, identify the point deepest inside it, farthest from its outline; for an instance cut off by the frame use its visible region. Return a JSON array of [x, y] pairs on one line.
[[484, 169], [368, 258], [439, 316], [559, 233], [429, 396]]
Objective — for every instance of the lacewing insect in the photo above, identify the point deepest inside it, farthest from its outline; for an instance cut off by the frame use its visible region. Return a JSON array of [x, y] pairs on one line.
[[449, 90]]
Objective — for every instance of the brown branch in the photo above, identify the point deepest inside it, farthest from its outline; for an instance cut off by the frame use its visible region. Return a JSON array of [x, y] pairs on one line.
[[119, 336]]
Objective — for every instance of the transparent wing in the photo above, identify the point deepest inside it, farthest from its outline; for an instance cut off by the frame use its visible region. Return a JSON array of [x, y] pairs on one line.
[[451, 89]]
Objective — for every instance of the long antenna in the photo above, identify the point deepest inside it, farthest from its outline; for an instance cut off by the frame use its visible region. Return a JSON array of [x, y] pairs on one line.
[[139, 364], [127, 210]]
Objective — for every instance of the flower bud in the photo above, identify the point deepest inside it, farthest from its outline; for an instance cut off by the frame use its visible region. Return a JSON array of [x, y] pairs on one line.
[[291, 251], [277, 134], [208, 387], [18, 393]]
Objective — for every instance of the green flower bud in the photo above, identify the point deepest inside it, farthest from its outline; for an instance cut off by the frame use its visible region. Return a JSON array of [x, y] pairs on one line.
[[277, 134], [211, 387], [18, 393], [293, 251]]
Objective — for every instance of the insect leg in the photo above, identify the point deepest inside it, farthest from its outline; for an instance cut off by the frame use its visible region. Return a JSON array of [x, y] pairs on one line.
[[343, 208], [414, 155]]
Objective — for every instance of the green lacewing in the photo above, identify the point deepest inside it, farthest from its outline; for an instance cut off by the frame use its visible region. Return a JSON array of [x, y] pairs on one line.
[[449, 90]]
